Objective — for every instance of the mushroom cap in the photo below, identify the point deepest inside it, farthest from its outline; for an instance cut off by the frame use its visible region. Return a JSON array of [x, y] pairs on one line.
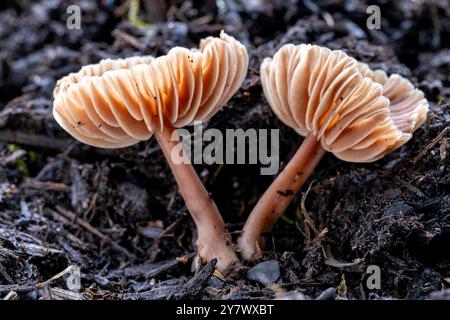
[[357, 114], [117, 103]]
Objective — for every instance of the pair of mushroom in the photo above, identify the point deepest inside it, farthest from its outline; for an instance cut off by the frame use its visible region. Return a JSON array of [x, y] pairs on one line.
[[340, 105]]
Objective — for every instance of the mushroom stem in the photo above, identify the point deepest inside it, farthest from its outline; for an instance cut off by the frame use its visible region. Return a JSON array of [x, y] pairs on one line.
[[278, 196], [213, 238]]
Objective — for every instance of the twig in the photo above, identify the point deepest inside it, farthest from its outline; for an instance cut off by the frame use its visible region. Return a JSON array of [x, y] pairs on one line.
[[34, 140], [36, 250], [154, 249], [431, 145], [60, 294], [17, 288], [127, 38], [91, 229], [52, 186], [165, 267], [71, 270], [320, 236], [47, 143], [331, 261], [12, 295], [309, 221], [443, 148], [149, 270], [12, 157]]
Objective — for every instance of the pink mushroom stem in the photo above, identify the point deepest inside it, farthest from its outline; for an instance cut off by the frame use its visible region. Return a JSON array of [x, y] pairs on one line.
[[278, 196], [213, 239]]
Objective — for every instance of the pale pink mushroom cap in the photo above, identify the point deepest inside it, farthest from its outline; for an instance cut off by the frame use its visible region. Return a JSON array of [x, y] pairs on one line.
[[117, 103], [357, 114]]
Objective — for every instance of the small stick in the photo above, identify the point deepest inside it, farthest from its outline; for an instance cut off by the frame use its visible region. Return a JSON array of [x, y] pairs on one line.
[[39, 185], [68, 270], [127, 38], [331, 261], [154, 249], [34, 140], [44, 142], [88, 227], [308, 220], [12, 295], [12, 157], [443, 148], [165, 267], [431, 145], [61, 294], [17, 288]]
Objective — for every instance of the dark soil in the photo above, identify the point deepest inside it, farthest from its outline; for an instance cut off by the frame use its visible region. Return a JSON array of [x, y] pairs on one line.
[[116, 214]]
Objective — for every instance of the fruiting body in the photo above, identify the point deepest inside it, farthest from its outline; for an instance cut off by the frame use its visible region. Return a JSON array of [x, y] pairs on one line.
[[341, 106], [117, 103]]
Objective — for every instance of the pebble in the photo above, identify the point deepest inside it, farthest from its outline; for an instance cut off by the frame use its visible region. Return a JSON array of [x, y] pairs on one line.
[[266, 272]]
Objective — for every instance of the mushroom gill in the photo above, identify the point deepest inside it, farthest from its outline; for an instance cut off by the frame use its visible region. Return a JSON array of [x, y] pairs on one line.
[[358, 114], [117, 103]]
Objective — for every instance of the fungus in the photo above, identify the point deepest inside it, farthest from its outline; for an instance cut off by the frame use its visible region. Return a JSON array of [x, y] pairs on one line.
[[117, 103], [340, 106]]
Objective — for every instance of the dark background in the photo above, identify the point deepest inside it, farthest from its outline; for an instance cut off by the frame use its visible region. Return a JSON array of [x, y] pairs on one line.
[[57, 195]]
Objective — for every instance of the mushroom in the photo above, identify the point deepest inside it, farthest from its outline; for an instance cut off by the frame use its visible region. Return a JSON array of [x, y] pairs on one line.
[[340, 106], [117, 103]]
